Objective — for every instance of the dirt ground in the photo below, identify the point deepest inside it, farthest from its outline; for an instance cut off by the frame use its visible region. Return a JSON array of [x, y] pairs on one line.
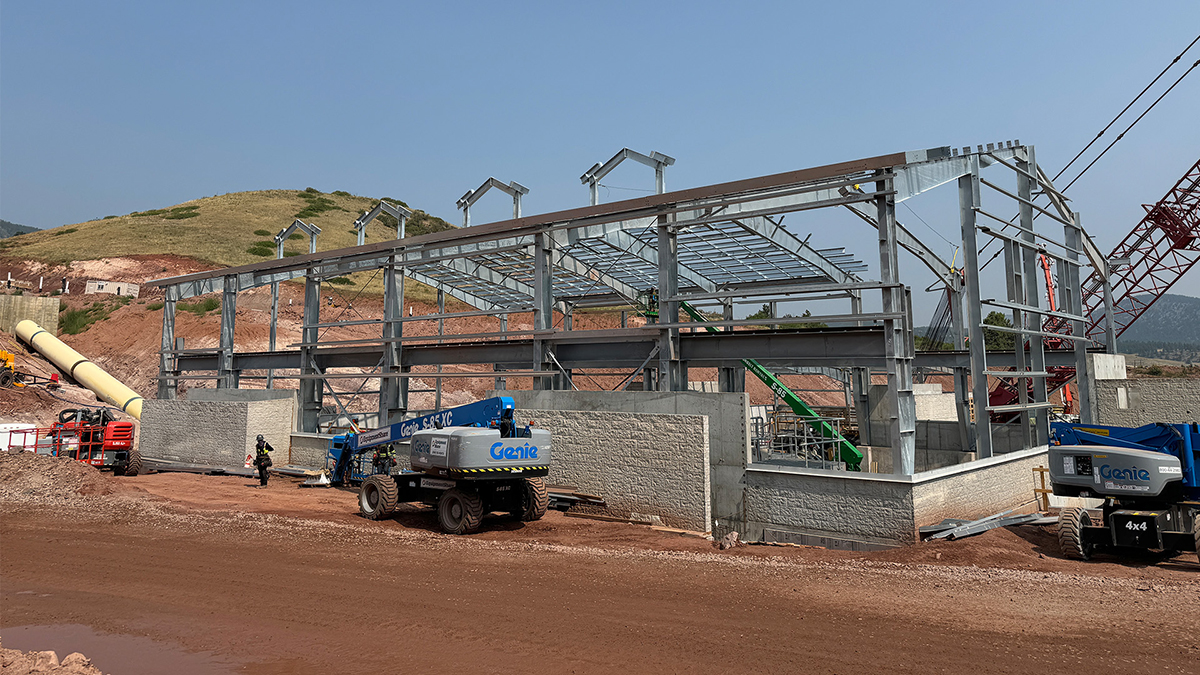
[[291, 580]]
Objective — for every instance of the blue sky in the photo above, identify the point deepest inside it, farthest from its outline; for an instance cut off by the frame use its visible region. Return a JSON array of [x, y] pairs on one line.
[[108, 108]]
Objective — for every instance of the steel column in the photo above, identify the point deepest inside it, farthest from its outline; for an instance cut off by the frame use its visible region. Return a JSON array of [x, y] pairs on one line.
[[968, 201], [1072, 303], [226, 377], [311, 390], [897, 340], [274, 325], [167, 359], [392, 405], [543, 303], [437, 386], [1033, 322], [669, 372]]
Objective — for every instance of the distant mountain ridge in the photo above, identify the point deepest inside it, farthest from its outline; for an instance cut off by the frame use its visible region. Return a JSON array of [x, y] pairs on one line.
[[9, 229], [1174, 318]]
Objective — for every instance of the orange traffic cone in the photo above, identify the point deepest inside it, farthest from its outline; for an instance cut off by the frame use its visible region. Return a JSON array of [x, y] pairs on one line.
[[249, 461]]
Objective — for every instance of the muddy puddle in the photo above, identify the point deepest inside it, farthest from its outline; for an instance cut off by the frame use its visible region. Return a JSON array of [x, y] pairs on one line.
[[114, 653]]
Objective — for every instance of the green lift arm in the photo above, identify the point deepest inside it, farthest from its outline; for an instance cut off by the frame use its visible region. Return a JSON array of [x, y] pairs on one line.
[[849, 454]]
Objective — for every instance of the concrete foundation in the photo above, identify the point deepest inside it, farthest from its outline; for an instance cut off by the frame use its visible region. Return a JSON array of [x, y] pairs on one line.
[[220, 433], [16, 308]]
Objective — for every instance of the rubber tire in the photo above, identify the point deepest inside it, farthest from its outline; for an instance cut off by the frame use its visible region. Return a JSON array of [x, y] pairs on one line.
[[377, 497], [534, 500], [460, 511], [1196, 530], [134, 465], [6, 378], [1071, 522]]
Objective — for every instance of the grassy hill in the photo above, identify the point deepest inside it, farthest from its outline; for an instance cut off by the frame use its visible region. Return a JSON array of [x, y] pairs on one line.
[[225, 230]]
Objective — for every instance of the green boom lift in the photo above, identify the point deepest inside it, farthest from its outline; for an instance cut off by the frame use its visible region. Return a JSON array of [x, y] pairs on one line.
[[849, 454]]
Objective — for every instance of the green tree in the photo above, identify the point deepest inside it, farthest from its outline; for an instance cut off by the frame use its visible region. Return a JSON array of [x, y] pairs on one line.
[[764, 313], [994, 339]]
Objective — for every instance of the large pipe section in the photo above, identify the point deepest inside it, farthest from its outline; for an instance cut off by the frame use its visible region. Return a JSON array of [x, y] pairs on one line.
[[83, 371]]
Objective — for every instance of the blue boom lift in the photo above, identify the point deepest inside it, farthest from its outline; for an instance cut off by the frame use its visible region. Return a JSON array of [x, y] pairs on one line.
[[1147, 477], [348, 458]]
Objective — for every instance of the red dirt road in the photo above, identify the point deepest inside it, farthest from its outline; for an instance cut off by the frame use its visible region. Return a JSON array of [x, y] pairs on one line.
[[329, 592]]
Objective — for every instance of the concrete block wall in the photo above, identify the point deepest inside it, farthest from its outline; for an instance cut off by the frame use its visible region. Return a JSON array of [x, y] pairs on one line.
[[728, 432], [1132, 403], [849, 510], [652, 464], [310, 450], [41, 310], [986, 487], [826, 508], [245, 395], [214, 432]]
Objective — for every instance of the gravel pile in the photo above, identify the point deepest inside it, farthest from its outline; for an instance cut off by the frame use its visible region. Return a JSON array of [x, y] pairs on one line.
[[29, 477]]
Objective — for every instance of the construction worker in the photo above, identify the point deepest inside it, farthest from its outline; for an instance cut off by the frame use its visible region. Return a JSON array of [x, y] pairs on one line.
[[262, 460], [384, 459]]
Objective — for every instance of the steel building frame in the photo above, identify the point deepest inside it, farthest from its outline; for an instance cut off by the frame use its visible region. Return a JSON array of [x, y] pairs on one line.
[[715, 244]]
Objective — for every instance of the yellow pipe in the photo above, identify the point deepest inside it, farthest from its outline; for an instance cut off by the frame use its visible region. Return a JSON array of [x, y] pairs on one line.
[[82, 370]]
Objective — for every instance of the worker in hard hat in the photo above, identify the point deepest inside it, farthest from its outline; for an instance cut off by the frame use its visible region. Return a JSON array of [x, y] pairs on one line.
[[262, 460]]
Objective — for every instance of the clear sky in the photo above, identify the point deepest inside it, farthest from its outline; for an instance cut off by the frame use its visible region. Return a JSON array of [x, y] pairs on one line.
[[108, 108]]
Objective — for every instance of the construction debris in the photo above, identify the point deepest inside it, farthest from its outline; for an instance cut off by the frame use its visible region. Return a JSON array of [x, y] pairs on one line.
[[953, 528], [729, 541]]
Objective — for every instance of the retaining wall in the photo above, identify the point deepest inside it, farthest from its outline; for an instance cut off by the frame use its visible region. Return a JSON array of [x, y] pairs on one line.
[[864, 511], [41, 310], [247, 395], [1132, 403], [645, 463], [728, 433], [220, 433]]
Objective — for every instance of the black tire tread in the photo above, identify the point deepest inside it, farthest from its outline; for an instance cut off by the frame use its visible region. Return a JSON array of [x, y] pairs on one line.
[[134, 465], [472, 511], [1071, 522], [385, 486], [536, 499], [1196, 530]]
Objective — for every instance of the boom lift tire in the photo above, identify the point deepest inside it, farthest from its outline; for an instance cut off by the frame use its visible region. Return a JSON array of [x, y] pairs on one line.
[[377, 497], [1071, 522], [534, 500], [460, 511], [1196, 530]]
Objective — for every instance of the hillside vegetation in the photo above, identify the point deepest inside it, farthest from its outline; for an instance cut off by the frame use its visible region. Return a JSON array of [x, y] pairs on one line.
[[9, 229], [225, 230]]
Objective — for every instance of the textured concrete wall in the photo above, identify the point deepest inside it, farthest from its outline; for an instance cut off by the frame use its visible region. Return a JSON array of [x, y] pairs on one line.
[[642, 463], [244, 395], [728, 432], [214, 432], [987, 487], [16, 308], [848, 510], [1132, 403], [310, 450], [826, 509]]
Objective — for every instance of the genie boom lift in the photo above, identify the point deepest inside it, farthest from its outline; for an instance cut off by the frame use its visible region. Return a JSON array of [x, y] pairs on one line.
[[1147, 477], [466, 462]]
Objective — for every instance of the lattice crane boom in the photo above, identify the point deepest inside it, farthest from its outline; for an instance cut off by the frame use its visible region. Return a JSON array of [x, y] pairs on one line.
[[1161, 249]]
